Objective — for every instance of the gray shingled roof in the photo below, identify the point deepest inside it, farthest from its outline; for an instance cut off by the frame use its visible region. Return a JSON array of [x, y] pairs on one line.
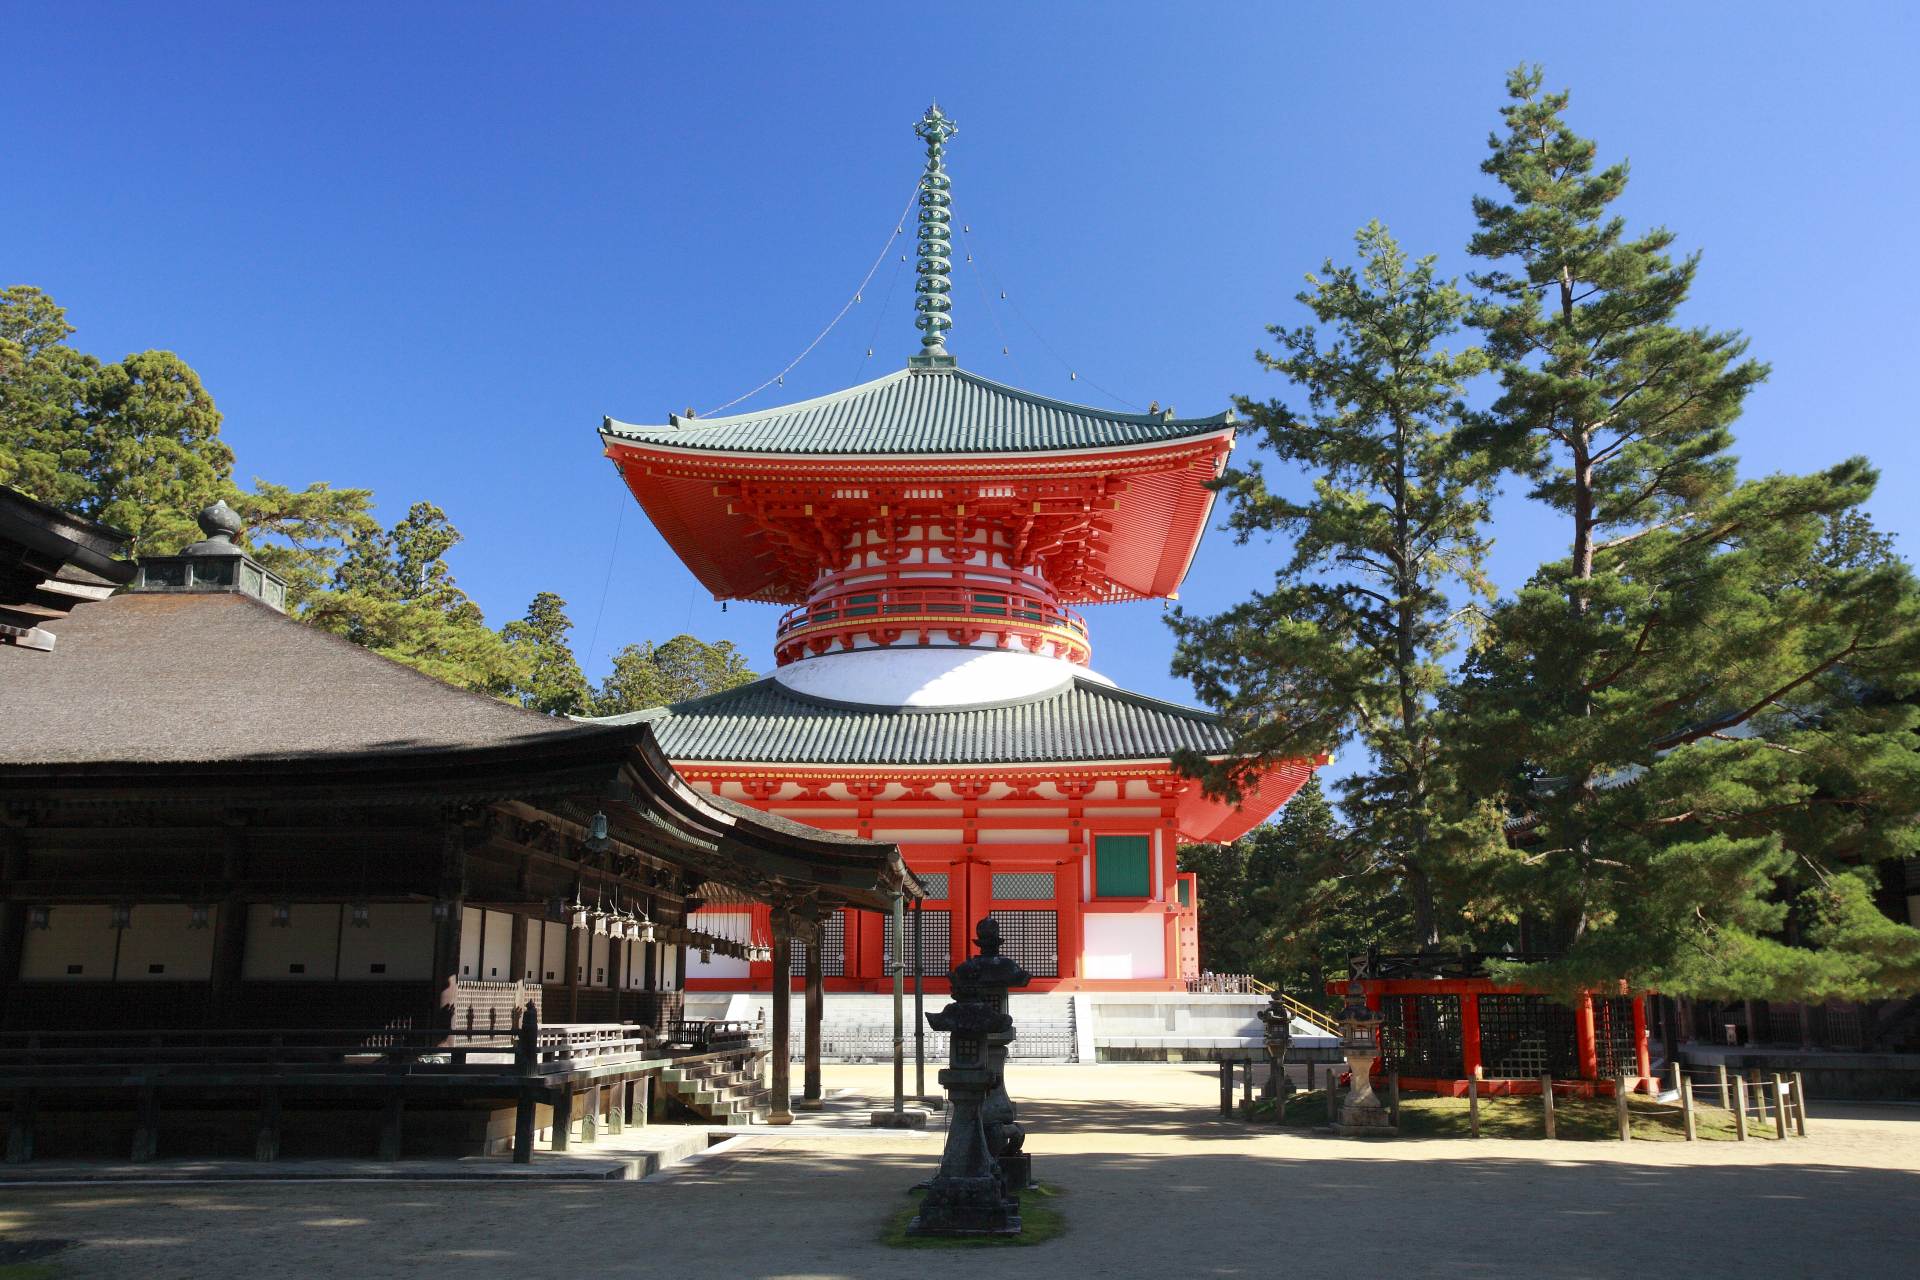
[[919, 411], [164, 678], [766, 722]]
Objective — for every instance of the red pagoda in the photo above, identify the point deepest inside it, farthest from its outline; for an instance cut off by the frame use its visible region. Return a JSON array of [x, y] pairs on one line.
[[933, 531]]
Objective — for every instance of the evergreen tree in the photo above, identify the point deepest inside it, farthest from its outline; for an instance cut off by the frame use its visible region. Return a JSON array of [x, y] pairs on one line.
[[394, 593], [302, 534], [552, 681], [1292, 900], [1701, 717], [43, 437], [1364, 612], [155, 457], [654, 675]]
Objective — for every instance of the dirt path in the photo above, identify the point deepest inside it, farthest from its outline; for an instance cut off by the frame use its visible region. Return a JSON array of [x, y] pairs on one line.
[[1154, 1187]]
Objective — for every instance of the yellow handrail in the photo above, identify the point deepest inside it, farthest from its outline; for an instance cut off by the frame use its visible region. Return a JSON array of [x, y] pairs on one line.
[[1309, 1015]]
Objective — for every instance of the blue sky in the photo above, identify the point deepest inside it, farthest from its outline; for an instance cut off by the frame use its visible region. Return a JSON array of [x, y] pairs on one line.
[[424, 248]]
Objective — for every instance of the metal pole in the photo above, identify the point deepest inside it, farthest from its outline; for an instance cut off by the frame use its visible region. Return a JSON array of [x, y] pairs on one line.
[[919, 998], [899, 1003]]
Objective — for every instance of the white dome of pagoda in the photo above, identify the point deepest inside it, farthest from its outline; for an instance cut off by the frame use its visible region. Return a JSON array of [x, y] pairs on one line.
[[929, 677]]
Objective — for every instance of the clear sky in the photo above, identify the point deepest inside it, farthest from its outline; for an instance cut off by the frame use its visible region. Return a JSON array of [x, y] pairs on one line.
[[425, 247]]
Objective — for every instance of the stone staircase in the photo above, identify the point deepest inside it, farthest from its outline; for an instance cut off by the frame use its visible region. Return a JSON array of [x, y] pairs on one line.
[[722, 1091]]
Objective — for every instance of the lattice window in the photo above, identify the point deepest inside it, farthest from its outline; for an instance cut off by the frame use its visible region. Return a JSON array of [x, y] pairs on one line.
[[936, 943], [1613, 1044], [1421, 1036], [936, 882], [1033, 939], [833, 949], [1523, 1037], [1015, 886]]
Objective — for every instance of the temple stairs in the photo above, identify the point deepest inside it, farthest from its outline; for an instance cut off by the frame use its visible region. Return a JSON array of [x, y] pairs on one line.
[[718, 1091]]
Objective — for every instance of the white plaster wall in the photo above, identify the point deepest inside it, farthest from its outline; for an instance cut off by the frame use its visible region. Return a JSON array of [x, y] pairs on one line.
[[933, 677], [306, 949], [472, 921], [158, 946], [1124, 946], [496, 947], [395, 946], [74, 936]]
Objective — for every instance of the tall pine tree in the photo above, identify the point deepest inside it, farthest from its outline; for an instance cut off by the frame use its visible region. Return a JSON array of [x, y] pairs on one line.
[[1364, 611], [1700, 718]]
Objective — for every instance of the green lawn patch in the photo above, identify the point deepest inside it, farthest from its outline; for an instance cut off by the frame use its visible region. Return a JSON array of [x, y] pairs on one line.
[[1425, 1115], [1040, 1221]]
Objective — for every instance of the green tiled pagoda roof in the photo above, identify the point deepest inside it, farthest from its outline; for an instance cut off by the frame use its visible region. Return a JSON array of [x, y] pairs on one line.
[[919, 410], [767, 723]]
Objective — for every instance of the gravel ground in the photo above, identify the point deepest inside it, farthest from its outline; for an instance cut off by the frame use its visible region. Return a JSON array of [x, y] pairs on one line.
[[1153, 1185]]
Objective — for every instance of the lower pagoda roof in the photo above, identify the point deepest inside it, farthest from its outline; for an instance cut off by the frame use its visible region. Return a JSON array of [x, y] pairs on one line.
[[1081, 721]]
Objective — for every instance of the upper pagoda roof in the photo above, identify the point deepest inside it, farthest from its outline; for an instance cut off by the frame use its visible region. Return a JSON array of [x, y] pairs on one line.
[[919, 411]]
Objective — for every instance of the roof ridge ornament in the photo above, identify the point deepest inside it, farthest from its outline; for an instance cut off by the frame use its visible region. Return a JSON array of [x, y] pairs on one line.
[[935, 285]]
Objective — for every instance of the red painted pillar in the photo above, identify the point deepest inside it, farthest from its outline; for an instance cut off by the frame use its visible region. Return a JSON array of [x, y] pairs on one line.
[[1066, 910], [1584, 1049], [1640, 1052], [1470, 1033]]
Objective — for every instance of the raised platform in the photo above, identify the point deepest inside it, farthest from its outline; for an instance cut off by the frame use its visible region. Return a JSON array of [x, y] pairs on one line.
[[1147, 1026], [1828, 1073]]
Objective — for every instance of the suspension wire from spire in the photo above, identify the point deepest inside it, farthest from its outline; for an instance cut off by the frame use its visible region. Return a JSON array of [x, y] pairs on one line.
[[1072, 373], [886, 305], [980, 283], [898, 224]]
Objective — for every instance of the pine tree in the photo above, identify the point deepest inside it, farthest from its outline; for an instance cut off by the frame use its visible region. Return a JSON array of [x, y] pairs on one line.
[[395, 593], [1700, 718], [43, 436], [1292, 900], [1355, 633], [653, 675], [552, 681]]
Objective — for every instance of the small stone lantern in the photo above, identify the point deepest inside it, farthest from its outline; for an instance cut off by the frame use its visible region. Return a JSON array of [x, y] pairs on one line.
[[1361, 1115], [977, 1190], [1278, 1021]]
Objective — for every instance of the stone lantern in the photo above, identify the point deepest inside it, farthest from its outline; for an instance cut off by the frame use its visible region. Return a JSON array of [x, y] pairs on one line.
[[1278, 1022], [977, 1190], [1362, 1114]]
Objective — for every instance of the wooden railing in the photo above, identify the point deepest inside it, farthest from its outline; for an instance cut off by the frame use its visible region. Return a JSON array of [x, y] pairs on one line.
[[857, 605], [528, 1066]]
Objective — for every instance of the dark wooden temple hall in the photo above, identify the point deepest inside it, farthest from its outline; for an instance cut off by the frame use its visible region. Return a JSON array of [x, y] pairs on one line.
[[254, 876]]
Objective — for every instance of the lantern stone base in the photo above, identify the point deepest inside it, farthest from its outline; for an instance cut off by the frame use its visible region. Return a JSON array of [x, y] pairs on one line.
[[1365, 1119], [966, 1207], [1017, 1170], [905, 1118]]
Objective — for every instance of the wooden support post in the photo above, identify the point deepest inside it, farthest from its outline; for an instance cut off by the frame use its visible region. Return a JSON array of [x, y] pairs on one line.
[[1726, 1102], [1546, 1097], [390, 1122], [814, 1006], [1740, 1110], [1333, 1101], [1621, 1111], [899, 1003], [526, 1060], [617, 1107], [590, 1115], [1800, 1105], [1246, 1086], [266, 1138], [20, 1126], [146, 1126], [1678, 1075], [562, 1118], [1226, 1089], [1686, 1109], [1780, 1108], [1473, 1106], [919, 999], [780, 1099], [1393, 1098], [1309, 1075]]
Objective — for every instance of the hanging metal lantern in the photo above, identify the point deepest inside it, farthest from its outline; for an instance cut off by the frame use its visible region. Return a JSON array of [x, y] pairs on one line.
[[200, 916], [281, 916], [120, 916], [39, 917], [360, 915]]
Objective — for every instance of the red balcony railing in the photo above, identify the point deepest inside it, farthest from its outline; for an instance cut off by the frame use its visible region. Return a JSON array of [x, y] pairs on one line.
[[858, 605]]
